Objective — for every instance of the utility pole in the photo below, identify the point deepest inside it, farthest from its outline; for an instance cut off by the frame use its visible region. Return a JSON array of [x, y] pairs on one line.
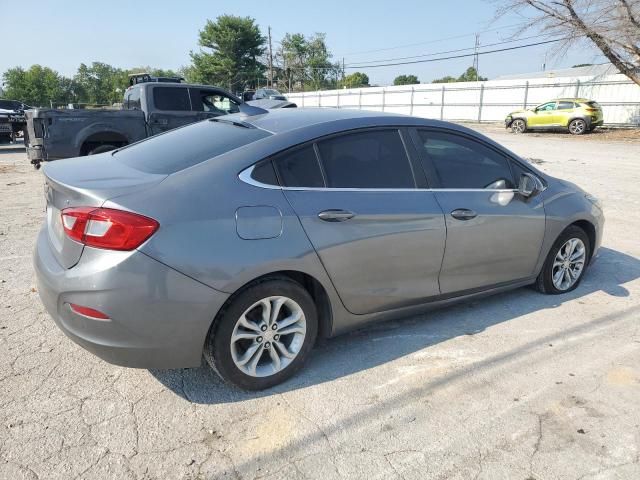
[[475, 57], [343, 71], [270, 60]]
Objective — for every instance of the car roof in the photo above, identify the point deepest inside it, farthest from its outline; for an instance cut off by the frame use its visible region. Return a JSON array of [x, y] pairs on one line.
[[571, 99], [288, 119]]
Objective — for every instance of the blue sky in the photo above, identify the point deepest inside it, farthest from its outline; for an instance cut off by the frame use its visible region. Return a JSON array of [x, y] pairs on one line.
[[64, 33]]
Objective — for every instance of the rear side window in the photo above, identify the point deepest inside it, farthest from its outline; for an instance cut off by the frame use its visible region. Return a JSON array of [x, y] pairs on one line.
[[565, 105], [171, 98], [133, 99], [299, 168], [460, 162], [187, 146], [371, 159]]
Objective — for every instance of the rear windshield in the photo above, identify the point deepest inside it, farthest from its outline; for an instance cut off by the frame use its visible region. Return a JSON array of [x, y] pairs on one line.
[[187, 146], [593, 104]]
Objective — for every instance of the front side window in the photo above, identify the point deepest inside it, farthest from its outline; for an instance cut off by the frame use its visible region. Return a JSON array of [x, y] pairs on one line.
[[547, 107], [217, 103], [171, 98], [371, 159], [460, 162]]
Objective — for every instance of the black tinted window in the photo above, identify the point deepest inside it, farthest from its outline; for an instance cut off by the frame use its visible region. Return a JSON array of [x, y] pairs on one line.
[[264, 173], [171, 98], [299, 168], [186, 146], [133, 99], [373, 159], [460, 162], [565, 105]]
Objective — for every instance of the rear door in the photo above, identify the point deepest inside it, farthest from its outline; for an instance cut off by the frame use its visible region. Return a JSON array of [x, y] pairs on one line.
[[379, 236], [564, 112], [169, 107], [493, 233]]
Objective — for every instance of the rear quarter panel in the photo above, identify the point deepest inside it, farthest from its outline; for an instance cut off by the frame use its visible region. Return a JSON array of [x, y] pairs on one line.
[[199, 237]]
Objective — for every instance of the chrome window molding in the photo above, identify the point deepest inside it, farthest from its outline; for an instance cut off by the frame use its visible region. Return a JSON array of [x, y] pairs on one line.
[[245, 176]]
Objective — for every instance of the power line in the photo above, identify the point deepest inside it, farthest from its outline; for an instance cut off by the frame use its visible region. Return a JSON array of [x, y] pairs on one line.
[[364, 63], [460, 56], [464, 35]]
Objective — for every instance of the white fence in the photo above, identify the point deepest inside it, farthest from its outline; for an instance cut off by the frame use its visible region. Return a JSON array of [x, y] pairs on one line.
[[488, 101]]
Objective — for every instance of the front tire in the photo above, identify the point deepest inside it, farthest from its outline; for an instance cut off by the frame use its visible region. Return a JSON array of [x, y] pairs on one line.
[[566, 262], [518, 126], [263, 335], [577, 126]]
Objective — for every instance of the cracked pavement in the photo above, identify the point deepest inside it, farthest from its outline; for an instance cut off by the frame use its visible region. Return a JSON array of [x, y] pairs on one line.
[[516, 386]]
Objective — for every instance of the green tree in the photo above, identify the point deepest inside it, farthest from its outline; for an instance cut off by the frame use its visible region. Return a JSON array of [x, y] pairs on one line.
[[101, 83], [37, 86], [470, 75], [304, 63], [230, 53], [355, 80], [406, 80], [447, 79]]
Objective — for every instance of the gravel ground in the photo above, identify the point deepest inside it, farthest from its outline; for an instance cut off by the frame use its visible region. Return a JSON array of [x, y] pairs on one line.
[[518, 386]]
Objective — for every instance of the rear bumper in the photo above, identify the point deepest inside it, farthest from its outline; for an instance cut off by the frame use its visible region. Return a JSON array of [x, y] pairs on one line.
[[158, 317]]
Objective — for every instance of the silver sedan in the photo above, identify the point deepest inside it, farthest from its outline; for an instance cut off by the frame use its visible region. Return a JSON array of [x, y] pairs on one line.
[[245, 238]]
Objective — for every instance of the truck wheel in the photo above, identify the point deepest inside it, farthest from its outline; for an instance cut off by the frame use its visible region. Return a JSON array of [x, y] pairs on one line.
[[102, 149]]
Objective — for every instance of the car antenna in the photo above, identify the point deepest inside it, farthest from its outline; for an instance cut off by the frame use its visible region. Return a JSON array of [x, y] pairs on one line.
[[250, 110]]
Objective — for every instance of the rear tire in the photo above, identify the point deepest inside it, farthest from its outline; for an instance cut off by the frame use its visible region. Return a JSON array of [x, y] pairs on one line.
[[519, 126], [102, 149], [577, 126], [549, 280], [255, 350]]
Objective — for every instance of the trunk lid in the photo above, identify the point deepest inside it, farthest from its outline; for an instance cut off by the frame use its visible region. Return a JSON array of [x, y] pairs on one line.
[[85, 182]]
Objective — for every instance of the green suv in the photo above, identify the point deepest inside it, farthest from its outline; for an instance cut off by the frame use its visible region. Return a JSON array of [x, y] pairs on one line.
[[578, 115]]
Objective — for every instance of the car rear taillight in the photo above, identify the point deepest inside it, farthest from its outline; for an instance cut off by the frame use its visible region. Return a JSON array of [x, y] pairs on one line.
[[107, 228], [590, 110]]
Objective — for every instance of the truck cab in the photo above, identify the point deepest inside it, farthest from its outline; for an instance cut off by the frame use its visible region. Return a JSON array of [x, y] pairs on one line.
[[150, 106]]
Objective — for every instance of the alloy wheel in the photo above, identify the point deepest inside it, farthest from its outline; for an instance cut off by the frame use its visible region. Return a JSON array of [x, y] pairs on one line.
[[268, 336], [568, 264], [577, 127], [518, 126]]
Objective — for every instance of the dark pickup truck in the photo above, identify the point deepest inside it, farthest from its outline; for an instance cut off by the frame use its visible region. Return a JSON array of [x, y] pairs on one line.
[[12, 119], [148, 109]]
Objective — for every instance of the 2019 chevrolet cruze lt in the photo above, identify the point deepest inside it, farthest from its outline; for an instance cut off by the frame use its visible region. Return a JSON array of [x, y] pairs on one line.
[[246, 237]]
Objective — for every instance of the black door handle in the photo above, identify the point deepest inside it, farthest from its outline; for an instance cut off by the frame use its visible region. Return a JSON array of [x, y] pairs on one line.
[[335, 215], [463, 214]]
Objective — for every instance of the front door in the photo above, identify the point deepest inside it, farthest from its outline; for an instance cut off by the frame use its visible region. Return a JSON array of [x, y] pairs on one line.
[[544, 115], [380, 238], [493, 233]]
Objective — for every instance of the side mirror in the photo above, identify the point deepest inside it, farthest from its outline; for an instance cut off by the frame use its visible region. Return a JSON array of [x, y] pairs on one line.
[[529, 185]]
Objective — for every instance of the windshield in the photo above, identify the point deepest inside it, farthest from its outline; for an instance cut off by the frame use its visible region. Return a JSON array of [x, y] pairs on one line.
[[187, 146]]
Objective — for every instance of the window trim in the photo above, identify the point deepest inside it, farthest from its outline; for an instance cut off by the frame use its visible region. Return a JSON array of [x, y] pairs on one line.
[[414, 155]]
